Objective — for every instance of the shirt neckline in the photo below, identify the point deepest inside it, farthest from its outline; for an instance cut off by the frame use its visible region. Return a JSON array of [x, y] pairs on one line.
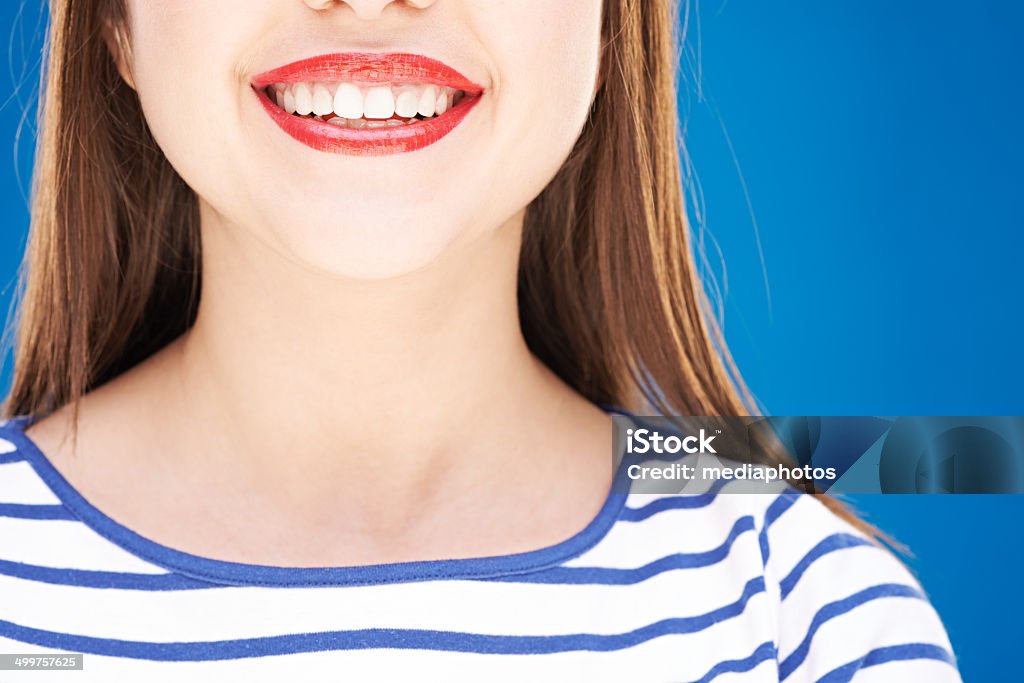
[[243, 574]]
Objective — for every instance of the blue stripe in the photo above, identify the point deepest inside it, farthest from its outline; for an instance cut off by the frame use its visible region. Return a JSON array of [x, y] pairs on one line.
[[775, 510], [620, 577], [828, 545], [364, 639], [556, 575], [12, 457], [763, 653], [87, 578], [35, 511], [893, 653], [840, 607], [679, 502]]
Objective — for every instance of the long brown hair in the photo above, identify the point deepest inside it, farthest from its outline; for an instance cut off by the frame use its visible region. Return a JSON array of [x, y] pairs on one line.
[[609, 297]]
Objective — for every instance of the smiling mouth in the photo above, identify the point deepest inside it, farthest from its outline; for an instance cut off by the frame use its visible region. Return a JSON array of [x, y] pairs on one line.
[[367, 104]]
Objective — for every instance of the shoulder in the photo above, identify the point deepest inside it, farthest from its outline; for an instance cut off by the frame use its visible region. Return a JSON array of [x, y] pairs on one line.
[[841, 606], [33, 519], [22, 490], [44, 539], [846, 603]]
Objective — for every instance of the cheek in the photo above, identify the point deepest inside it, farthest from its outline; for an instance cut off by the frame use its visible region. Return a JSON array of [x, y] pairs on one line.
[[182, 56], [547, 56]]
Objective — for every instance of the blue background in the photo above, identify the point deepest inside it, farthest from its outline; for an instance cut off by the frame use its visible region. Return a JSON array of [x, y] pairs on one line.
[[859, 166]]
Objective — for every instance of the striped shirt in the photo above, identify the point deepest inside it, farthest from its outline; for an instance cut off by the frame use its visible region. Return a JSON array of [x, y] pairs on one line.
[[698, 587]]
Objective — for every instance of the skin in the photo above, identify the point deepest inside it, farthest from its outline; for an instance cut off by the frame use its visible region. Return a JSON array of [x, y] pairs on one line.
[[356, 389]]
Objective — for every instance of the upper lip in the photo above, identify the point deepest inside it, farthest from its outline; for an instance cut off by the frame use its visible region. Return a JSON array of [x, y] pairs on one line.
[[369, 68]]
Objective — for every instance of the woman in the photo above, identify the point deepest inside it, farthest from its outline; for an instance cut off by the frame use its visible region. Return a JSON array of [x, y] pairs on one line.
[[432, 236]]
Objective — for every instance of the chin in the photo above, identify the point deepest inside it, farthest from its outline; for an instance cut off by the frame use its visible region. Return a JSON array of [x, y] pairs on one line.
[[373, 250]]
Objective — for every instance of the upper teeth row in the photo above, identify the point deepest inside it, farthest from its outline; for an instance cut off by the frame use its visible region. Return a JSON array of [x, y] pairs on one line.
[[351, 101]]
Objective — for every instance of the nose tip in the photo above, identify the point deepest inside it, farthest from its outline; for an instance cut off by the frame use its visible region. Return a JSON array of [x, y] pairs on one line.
[[367, 9]]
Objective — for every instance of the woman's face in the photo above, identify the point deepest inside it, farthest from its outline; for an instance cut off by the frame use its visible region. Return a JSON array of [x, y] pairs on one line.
[[373, 181]]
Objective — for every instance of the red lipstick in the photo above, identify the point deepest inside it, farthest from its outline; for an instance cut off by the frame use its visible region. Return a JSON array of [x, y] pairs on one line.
[[368, 70]]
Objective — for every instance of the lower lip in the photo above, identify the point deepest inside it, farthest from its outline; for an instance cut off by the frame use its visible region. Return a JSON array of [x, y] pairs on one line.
[[327, 137]]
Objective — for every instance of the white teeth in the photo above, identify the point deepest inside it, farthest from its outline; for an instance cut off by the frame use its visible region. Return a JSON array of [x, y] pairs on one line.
[[376, 124], [338, 121], [348, 102], [303, 99], [354, 103], [407, 102], [323, 101], [428, 101], [379, 104]]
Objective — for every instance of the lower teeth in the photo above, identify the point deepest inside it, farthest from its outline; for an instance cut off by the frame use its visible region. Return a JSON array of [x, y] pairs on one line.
[[365, 123]]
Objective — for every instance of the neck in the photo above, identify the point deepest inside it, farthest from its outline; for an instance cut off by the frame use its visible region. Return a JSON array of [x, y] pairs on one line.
[[399, 379]]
